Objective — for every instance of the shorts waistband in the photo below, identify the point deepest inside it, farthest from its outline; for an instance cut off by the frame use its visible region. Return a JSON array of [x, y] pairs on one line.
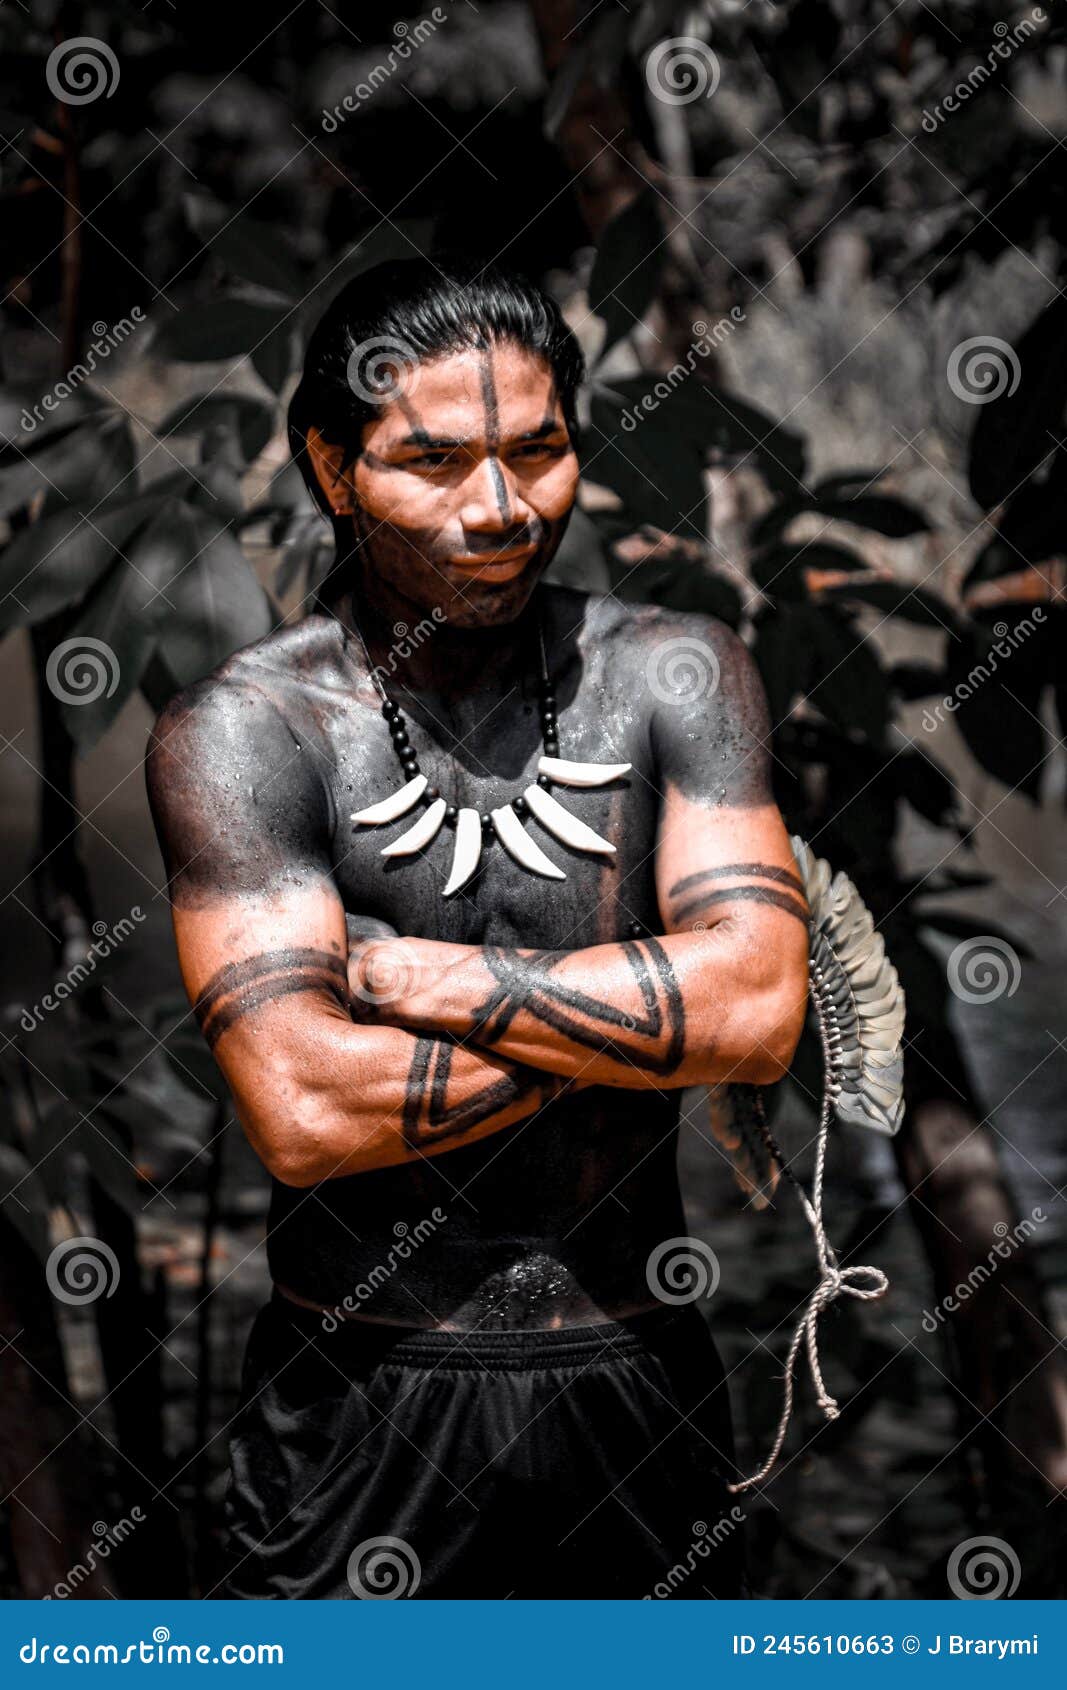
[[524, 1347]]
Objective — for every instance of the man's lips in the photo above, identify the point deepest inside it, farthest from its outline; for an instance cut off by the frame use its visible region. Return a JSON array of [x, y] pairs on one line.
[[507, 561]]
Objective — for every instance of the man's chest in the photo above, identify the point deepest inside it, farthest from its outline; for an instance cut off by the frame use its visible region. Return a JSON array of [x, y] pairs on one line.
[[600, 895]]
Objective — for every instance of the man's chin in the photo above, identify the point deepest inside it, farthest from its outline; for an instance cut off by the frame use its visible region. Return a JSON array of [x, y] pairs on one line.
[[481, 602]]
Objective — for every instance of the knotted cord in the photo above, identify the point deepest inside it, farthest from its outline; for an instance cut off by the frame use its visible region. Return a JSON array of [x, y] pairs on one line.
[[834, 1281]]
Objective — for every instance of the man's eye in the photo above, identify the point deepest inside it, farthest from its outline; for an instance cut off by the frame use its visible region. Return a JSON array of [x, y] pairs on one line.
[[541, 449]]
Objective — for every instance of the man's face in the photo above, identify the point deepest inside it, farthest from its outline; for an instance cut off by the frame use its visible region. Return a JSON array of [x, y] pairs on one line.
[[465, 484]]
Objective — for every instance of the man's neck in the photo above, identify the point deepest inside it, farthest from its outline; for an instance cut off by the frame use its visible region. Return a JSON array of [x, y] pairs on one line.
[[431, 654]]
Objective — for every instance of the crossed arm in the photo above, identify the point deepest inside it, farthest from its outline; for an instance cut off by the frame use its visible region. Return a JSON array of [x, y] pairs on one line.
[[335, 1071]]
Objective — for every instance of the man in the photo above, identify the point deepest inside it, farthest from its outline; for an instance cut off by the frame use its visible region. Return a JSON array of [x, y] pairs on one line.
[[476, 1375]]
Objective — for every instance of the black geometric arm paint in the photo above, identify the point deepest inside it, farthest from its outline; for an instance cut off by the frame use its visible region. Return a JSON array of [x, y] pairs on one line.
[[692, 895], [241, 987], [432, 1108], [654, 1040]]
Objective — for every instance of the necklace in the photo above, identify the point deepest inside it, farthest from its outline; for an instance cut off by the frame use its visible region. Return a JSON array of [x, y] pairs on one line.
[[474, 830]]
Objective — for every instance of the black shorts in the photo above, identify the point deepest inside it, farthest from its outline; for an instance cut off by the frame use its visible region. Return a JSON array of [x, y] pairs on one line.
[[588, 1461]]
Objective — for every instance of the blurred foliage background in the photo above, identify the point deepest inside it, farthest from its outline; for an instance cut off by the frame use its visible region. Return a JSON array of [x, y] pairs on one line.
[[816, 260]]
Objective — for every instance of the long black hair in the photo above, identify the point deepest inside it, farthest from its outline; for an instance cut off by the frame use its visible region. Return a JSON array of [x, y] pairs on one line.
[[404, 311]]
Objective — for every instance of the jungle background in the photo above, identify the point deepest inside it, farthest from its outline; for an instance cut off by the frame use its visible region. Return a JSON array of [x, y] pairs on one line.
[[851, 290]]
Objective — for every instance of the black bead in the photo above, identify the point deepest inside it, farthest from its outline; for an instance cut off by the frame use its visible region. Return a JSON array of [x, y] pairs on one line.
[[400, 738], [519, 805], [551, 747], [451, 815], [409, 763], [548, 695], [543, 780], [432, 794], [487, 822], [548, 721], [389, 709], [636, 929]]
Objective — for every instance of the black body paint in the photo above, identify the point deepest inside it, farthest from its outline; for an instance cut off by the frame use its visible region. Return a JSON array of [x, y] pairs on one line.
[[254, 775]]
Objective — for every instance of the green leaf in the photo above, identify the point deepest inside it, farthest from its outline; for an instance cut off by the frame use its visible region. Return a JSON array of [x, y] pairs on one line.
[[926, 787], [1013, 433], [917, 680], [626, 269], [83, 464], [256, 252], [780, 570], [219, 606], [911, 604], [54, 562], [895, 518], [252, 418], [998, 705], [972, 927], [658, 480], [123, 614], [222, 328], [711, 419]]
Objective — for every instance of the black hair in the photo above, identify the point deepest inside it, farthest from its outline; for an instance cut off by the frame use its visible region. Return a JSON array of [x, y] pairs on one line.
[[404, 311]]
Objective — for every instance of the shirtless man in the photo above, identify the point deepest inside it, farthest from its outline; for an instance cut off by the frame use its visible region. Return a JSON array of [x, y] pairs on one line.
[[471, 1378]]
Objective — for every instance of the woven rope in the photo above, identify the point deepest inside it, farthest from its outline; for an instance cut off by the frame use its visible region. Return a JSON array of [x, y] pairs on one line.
[[834, 1281]]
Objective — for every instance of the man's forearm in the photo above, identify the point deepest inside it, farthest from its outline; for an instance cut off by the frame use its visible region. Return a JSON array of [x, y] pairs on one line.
[[663, 1012]]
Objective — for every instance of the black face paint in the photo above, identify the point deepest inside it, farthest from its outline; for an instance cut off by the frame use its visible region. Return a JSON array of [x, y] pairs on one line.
[[492, 432]]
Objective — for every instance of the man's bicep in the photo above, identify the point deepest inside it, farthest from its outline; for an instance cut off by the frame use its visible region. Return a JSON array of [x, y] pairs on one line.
[[722, 847]]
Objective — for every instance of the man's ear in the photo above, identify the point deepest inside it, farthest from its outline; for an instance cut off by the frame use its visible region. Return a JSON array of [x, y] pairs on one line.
[[326, 460]]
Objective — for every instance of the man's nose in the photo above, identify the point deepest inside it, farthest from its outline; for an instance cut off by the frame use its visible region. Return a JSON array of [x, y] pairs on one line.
[[492, 499]]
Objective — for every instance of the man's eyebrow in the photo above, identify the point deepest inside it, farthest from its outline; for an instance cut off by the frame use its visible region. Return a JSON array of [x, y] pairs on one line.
[[436, 442]]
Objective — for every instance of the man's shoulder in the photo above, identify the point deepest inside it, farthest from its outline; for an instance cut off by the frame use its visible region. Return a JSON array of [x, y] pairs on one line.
[[274, 678], [637, 635]]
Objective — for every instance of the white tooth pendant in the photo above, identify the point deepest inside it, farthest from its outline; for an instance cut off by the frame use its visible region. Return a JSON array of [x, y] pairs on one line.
[[515, 840], [397, 804], [580, 774], [468, 851], [551, 814], [420, 834]]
